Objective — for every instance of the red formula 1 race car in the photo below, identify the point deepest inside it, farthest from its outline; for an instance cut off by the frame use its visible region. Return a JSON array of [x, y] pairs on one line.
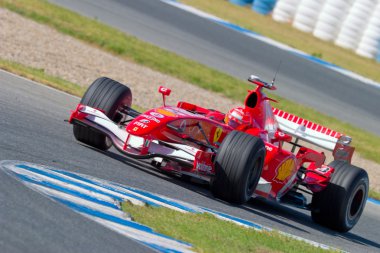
[[241, 154]]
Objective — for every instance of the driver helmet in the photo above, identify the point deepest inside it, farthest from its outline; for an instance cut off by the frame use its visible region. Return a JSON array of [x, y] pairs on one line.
[[237, 117]]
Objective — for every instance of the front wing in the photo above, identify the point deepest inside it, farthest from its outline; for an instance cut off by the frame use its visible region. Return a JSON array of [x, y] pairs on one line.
[[131, 145]]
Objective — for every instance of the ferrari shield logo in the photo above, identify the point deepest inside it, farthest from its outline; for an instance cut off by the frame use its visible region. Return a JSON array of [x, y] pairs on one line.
[[217, 134], [285, 170]]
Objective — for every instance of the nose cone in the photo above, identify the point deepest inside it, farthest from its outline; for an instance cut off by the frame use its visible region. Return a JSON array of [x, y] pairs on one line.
[[151, 120]]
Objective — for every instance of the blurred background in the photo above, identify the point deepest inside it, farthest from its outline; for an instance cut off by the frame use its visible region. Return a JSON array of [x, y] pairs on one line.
[[351, 24]]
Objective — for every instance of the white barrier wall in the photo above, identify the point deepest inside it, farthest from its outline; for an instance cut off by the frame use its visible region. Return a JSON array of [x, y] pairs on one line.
[[285, 10], [307, 14], [351, 24], [370, 40], [330, 19], [354, 24]]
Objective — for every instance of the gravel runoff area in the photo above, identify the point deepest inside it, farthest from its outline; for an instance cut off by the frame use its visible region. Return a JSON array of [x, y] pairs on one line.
[[39, 46]]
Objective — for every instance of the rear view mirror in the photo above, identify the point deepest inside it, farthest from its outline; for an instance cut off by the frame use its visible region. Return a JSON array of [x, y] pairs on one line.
[[165, 92]]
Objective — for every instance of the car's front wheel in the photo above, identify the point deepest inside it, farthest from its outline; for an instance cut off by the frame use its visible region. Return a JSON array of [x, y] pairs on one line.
[[238, 167], [109, 96], [341, 204]]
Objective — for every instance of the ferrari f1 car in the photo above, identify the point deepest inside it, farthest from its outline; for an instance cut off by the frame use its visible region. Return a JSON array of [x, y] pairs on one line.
[[241, 154]]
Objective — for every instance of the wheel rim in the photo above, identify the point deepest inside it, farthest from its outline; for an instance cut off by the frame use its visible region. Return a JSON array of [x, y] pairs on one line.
[[356, 203], [108, 141]]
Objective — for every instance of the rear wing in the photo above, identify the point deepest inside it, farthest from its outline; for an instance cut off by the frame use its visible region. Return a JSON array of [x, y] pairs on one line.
[[309, 131]]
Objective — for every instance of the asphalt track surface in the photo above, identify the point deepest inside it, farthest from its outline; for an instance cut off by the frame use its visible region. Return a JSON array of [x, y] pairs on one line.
[[234, 53], [32, 129]]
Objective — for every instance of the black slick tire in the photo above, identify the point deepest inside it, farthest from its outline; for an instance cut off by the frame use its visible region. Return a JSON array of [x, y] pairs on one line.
[[107, 95], [238, 167], [341, 204]]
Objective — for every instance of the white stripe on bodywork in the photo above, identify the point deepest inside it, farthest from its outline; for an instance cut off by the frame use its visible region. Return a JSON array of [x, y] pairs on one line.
[[307, 134]]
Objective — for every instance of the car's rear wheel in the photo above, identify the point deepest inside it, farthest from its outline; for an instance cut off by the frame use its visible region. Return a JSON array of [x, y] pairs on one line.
[[341, 204], [238, 167], [109, 96]]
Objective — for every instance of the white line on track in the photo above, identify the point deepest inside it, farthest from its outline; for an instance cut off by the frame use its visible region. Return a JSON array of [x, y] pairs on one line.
[[95, 199]]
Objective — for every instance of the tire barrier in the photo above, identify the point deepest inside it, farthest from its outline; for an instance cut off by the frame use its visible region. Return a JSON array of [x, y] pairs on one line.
[[351, 24], [285, 10], [354, 24], [263, 6], [369, 42], [241, 2], [330, 19], [307, 14]]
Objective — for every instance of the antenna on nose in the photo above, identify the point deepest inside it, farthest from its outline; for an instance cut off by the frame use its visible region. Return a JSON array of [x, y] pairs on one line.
[[278, 69]]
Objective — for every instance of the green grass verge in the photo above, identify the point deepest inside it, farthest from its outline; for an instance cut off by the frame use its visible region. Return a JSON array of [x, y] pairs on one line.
[[209, 234], [40, 76], [116, 42], [288, 35], [374, 194], [128, 47]]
